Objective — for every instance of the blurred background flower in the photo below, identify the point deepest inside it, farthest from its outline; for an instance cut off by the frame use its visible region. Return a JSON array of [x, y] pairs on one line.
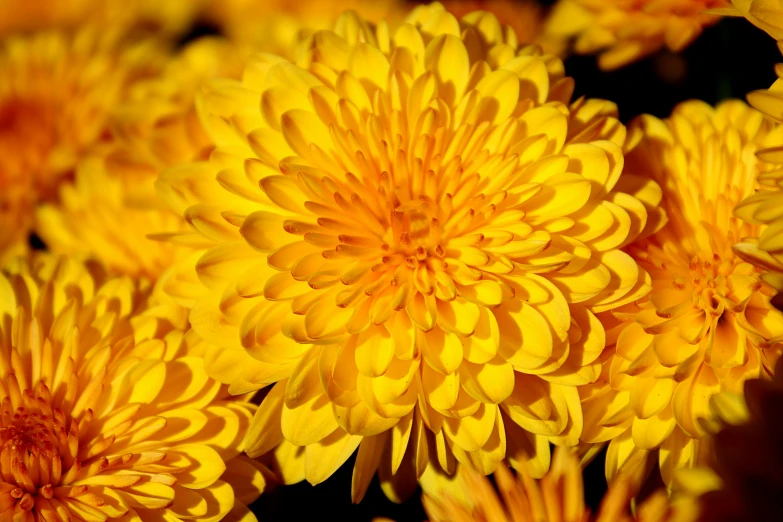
[[56, 92], [623, 31]]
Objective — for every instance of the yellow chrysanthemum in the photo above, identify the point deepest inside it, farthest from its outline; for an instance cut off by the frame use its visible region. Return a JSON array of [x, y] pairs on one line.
[[624, 31], [111, 208], [276, 25], [707, 324], [410, 232], [107, 411], [55, 94], [557, 497]]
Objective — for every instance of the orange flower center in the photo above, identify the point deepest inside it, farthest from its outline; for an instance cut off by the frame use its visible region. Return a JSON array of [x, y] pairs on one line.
[[40, 447]]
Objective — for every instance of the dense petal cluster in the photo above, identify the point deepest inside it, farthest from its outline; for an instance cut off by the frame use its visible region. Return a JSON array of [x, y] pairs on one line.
[[107, 411], [707, 325], [557, 497], [154, 127], [624, 31], [56, 91], [411, 231]]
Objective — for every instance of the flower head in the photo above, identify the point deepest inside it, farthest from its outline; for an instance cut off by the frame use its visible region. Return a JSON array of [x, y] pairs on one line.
[[557, 497], [624, 31], [111, 208], [107, 411], [410, 231], [55, 95], [707, 324]]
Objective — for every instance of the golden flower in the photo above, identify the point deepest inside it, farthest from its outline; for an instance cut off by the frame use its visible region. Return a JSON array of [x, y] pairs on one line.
[[410, 231], [557, 497], [624, 31], [107, 411], [707, 325], [55, 93], [154, 127], [276, 25], [748, 484]]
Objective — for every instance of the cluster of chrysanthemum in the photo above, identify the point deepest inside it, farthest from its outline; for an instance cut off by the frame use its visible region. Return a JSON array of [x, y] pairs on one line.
[[392, 235]]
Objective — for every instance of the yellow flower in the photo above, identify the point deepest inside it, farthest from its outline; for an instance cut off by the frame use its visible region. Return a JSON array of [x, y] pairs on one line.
[[276, 25], [764, 14], [410, 231], [748, 484], [557, 497], [111, 208], [707, 325], [624, 31], [107, 411], [55, 93]]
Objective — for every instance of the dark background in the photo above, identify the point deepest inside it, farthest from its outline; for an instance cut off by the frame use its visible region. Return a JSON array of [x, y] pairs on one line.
[[728, 60]]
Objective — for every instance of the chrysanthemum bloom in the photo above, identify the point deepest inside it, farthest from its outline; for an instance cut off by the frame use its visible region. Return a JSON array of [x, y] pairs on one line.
[[107, 411], [410, 231], [55, 93], [557, 497], [154, 127], [623, 31], [748, 453], [276, 25], [707, 325]]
